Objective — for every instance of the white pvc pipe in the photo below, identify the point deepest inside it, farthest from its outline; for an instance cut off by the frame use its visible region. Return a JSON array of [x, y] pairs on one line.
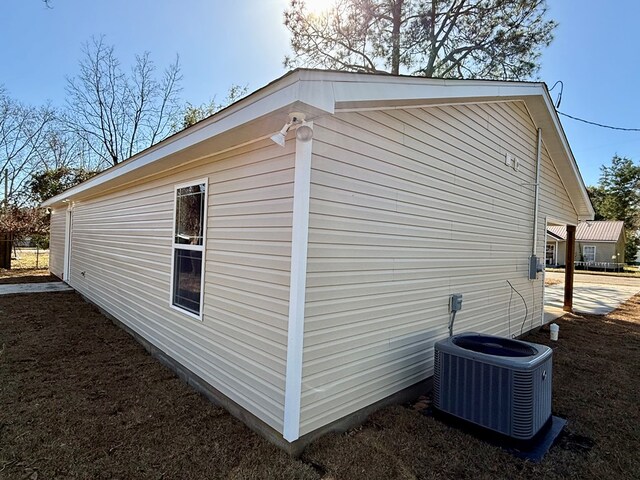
[[537, 194]]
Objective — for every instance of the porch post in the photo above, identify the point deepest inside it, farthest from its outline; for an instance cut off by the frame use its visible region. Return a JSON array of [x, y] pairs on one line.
[[569, 268]]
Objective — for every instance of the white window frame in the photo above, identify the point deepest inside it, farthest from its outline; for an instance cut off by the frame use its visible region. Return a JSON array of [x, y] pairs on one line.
[[584, 256], [553, 256], [201, 248]]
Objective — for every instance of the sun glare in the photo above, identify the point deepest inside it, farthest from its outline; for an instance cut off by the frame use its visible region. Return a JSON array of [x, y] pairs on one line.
[[318, 6]]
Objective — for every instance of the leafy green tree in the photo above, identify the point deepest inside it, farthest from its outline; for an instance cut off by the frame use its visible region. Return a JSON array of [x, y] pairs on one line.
[[193, 114], [49, 183], [492, 39], [597, 195], [617, 197]]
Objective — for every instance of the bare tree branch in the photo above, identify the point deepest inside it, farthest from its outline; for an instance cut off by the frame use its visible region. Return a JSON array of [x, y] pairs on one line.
[[500, 39], [22, 136], [120, 114]]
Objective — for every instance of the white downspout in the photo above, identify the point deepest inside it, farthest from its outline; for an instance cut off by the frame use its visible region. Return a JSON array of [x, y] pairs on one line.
[[537, 194]]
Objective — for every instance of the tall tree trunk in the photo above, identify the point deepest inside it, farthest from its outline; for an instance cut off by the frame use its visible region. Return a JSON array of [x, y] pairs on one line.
[[5, 250], [396, 14]]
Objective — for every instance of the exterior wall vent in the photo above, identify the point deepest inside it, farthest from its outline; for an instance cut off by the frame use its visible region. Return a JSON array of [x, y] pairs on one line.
[[500, 384]]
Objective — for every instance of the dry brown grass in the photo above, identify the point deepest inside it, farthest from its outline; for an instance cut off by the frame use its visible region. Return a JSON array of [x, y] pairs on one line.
[[28, 259], [81, 399], [23, 268]]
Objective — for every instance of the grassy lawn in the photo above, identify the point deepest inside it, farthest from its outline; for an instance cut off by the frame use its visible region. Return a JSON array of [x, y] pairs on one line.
[[81, 399], [30, 258]]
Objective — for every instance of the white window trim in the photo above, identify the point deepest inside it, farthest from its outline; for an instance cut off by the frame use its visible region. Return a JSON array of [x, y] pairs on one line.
[[594, 252], [201, 248], [554, 247]]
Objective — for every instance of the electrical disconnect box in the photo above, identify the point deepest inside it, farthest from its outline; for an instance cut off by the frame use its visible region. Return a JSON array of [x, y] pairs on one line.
[[455, 302], [534, 267]]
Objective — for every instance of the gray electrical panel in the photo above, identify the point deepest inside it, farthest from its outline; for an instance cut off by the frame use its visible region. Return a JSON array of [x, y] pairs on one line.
[[533, 267], [455, 302]]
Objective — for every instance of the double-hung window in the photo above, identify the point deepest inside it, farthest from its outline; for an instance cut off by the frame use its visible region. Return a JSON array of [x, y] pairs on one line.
[[589, 253], [189, 228]]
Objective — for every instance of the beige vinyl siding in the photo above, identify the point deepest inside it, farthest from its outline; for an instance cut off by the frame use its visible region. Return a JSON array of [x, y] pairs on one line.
[[408, 207], [620, 245], [56, 241], [122, 262], [561, 246], [605, 251]]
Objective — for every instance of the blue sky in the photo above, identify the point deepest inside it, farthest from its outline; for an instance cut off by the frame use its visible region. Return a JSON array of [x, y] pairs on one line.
[[596, 54]]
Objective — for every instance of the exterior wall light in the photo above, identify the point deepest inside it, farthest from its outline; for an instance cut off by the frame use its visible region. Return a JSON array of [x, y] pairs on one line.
[[304, 132]]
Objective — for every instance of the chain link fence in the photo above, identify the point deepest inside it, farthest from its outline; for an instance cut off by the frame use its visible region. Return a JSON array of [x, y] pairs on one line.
[[30, 252]]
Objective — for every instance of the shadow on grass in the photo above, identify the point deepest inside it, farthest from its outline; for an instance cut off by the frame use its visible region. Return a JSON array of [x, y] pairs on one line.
[[26, 276]]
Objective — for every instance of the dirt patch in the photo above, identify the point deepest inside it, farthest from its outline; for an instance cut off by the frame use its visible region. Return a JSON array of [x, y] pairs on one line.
[[81, 399]]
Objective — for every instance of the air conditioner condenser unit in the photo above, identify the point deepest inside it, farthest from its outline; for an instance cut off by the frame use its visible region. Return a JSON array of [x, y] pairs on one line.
[[493, 382]]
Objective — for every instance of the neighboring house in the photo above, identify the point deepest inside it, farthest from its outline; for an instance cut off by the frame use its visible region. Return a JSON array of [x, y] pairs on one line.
[[598, 244], [303, 286]]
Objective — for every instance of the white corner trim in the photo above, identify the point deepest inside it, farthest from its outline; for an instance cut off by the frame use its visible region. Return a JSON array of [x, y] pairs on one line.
[[297, 285], [66, 267]]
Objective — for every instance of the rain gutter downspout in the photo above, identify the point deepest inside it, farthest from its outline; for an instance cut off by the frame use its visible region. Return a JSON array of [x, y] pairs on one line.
[[534, 250]]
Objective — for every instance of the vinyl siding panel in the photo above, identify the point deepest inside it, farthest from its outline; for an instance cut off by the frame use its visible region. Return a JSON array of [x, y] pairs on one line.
[[555, 204], [122, 261], [620, 246], [555, 208], [407, 207], [56, 241], [605, 251]]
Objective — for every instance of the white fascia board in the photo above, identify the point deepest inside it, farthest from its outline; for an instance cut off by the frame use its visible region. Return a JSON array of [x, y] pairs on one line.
[[399, 90], [318, 94], [572, 161], [297, 289], [275, 96], [324, 92]]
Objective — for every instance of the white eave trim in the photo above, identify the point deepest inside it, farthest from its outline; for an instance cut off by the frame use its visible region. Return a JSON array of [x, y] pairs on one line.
[[326, 92], [574, 165], [360, 92], [316, 94]]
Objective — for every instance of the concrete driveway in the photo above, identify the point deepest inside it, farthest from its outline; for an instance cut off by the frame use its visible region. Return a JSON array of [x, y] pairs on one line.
[[597, 294]]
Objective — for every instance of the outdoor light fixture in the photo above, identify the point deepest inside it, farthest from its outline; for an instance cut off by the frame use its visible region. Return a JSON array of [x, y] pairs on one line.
[[304, 132]]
